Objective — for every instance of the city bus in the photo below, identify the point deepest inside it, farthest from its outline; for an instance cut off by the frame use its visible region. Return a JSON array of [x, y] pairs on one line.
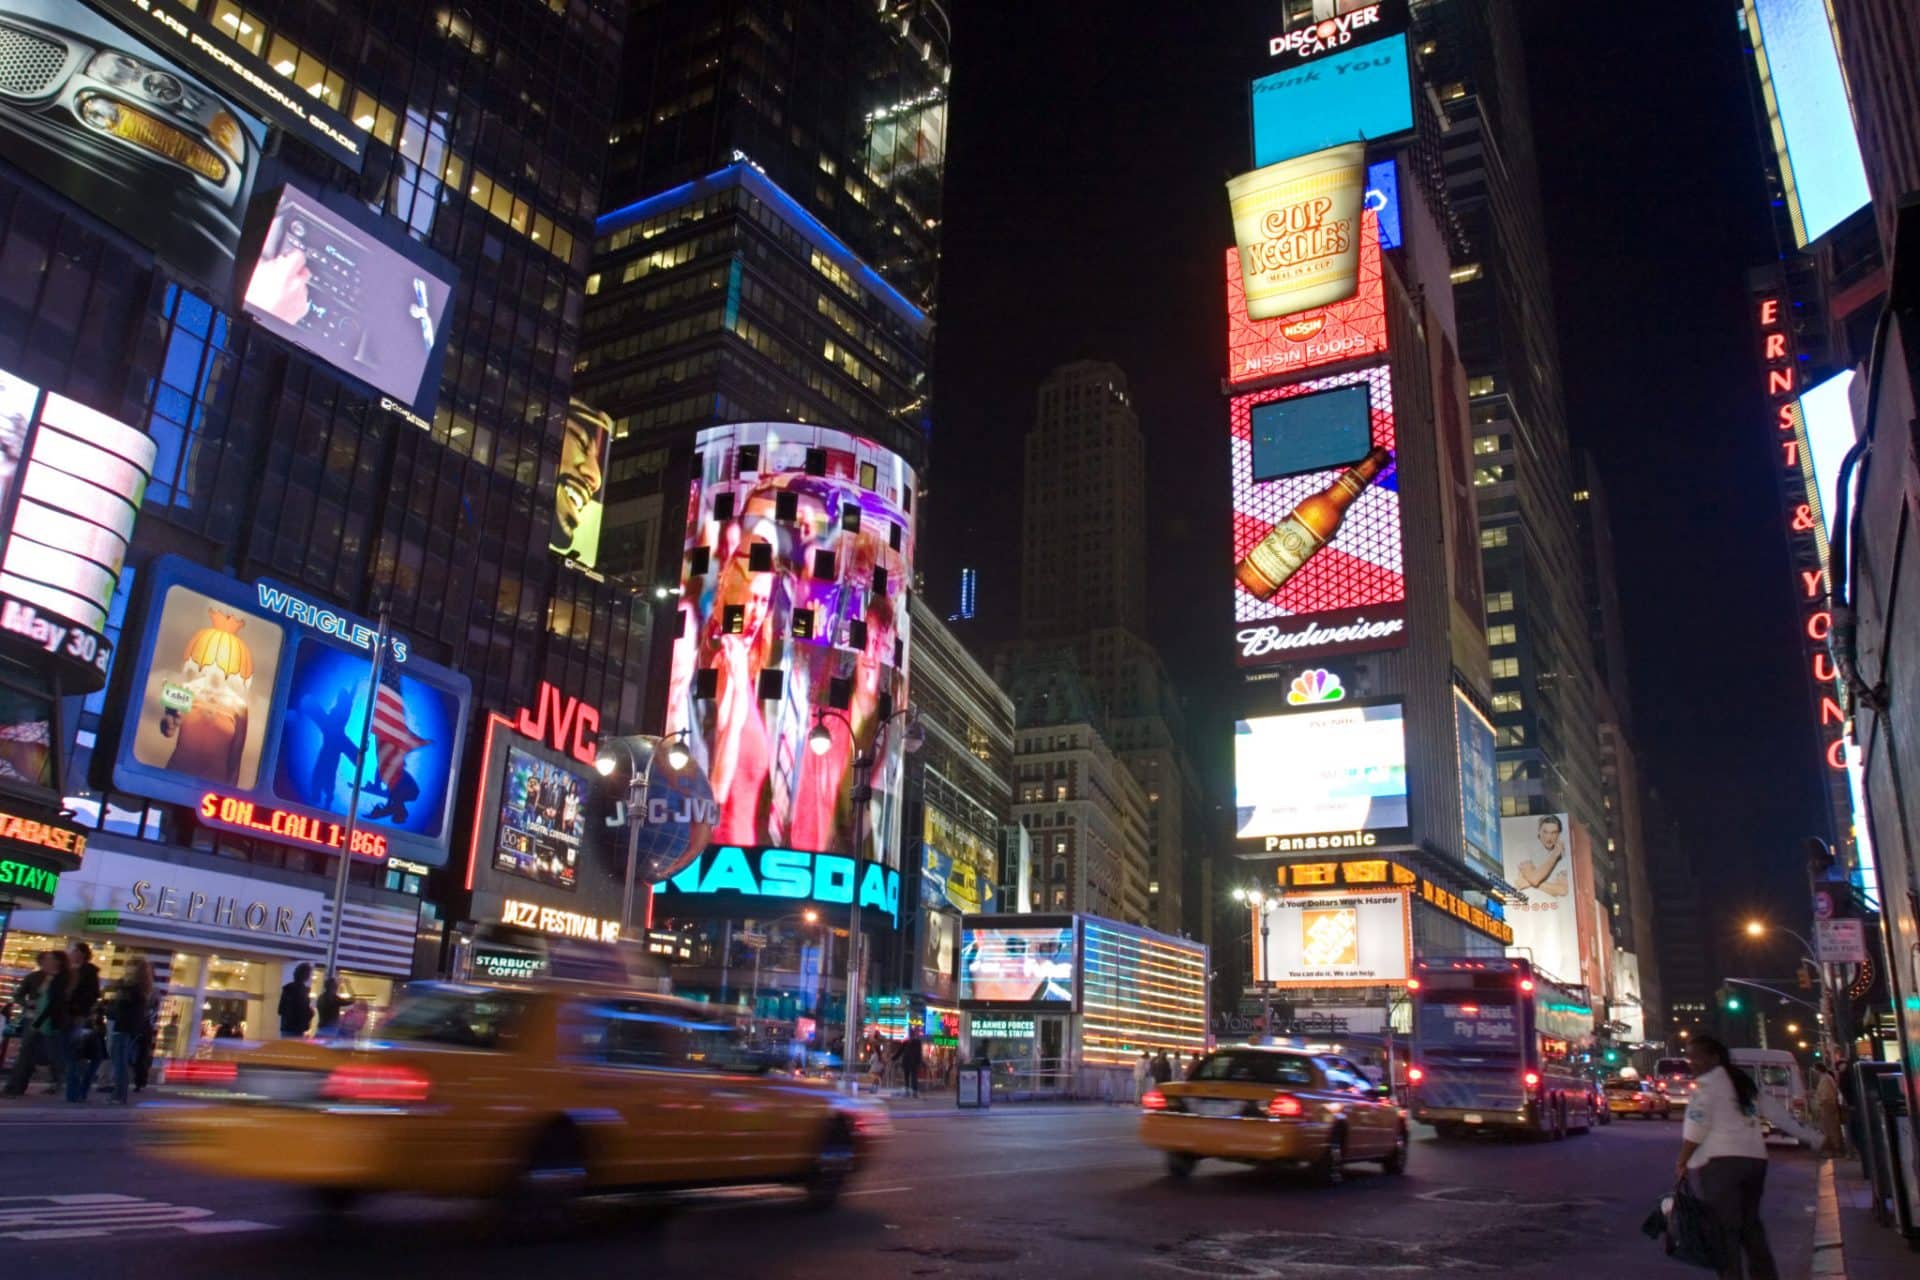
[[1498, 1045]]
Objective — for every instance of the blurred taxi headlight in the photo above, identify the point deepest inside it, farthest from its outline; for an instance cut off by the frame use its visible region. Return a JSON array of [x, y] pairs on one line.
[[135, 127], [226, 135]]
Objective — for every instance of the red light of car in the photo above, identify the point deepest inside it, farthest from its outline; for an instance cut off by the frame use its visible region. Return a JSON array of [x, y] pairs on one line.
[[1526, 984], [1413, 984], [376, 1084], [1285, 1107], [1532, 1078], [1153, 1100], [201, 1072], [1415, 1075]]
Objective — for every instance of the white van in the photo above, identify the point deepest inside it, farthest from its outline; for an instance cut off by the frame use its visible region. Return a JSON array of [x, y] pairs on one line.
[[1783, 1092]]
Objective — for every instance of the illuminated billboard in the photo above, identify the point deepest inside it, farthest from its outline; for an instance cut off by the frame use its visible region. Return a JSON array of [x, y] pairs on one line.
[[1537, 851], [1337, 940], [1337, 26], [71, 483], [1808, 114], [1317, 552], [1016, 965], [1298, 229], [128, 133], [1362, 92], [1383, 201], [799, 557], [1479, 783], [958, 867], [249, 704], [1349, 330], [1826, 421], [1332, 770], [727, 880], [543, 819], [580, 489], [327, 281]]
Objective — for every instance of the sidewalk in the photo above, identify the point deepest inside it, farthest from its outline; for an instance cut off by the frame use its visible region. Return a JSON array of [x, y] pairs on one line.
[[944, 1103], [1847, 1243]]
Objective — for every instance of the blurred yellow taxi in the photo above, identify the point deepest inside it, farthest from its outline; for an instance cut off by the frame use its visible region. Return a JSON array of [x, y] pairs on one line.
[[532, 1095], [1259, 1105]]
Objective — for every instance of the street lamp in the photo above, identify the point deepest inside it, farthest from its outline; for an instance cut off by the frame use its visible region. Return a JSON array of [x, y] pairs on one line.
[[639, 749], [1760, 929], [1262, 904]]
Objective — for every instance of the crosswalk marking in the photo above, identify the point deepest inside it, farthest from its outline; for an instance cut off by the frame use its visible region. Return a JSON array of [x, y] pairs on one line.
[[93, 1214]]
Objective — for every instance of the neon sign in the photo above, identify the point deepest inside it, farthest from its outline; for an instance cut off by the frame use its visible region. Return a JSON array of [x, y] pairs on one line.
[[561, 924], [40, 882], [730, 873], [250, 818], [43, 835], [563, 722]]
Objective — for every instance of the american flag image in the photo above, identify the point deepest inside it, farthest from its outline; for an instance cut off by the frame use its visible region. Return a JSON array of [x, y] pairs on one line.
[[393, 741]]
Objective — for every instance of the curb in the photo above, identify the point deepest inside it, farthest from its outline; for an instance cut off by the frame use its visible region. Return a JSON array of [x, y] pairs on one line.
[[1005, 1108], [1829, 1250]]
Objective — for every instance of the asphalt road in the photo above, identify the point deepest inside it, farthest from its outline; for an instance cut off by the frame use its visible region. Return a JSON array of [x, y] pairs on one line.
[[1013, 1192]]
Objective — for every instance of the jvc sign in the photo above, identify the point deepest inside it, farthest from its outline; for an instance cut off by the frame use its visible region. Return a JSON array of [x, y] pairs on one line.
[[733, 880]]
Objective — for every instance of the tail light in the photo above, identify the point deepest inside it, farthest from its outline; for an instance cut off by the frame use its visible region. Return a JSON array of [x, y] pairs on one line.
[[1153, 1100], [386, 1085], [1526, 984], [1532, 1079], [202, 1072], [1413, 984], [1285, 1107], [1415, 1075]]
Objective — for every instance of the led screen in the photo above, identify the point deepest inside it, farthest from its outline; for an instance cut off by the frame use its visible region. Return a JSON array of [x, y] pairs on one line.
[[1827, 414], [128, 133], [1482, 1021], [543, 819], [71, 483], [1537, 852], [1312, 432], [1808, 113], [1383, 201], [958, 869], [1343, 594], [1349, 330], [1337, 939], [1331, 770], [250, 704], [1017, 966], [580, 489], [1479, 784], [1361, 92], [799, 556], [329, 285]]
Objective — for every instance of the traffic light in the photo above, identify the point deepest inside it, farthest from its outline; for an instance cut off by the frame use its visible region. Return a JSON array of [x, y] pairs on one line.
[[1613, 1055], [1733, 1002]]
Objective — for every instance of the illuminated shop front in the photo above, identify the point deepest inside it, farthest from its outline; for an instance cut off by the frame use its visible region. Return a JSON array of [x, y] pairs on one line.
[[1049, 994]]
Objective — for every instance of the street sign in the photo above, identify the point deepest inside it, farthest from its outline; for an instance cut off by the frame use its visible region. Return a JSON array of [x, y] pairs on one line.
[[754, 940], [1822, 905], [1840, 941]]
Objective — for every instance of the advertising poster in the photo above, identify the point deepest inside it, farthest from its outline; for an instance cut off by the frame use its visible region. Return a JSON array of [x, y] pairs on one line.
[[1329, 771], [939, 949], [1337, 26], [1361, 92], [1017, 965], [1348, 330], [1338, 939], [799, 557], [1479, 783], [1298, 230], [543, 819], [331, 286], [1596, 939], [958, 870], [128, 133], [1317, 552], [251, 705], [71, 484], [1537, 853], [580, 489]]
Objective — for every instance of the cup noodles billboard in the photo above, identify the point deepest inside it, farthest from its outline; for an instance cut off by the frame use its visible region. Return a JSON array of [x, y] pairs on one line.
[[1350, 330], [1297, 225], [799, 553]]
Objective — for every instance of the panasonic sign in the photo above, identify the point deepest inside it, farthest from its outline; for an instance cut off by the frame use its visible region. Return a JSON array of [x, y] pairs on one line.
[[728, 873]]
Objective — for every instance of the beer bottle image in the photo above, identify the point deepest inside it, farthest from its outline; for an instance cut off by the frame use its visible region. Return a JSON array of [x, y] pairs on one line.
[[1307, 528]]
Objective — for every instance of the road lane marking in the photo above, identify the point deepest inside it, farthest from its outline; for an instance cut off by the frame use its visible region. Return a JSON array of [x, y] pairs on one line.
[[93, 1214]]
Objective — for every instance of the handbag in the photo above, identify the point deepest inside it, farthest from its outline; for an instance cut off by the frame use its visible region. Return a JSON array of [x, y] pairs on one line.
[[1687, 1229]]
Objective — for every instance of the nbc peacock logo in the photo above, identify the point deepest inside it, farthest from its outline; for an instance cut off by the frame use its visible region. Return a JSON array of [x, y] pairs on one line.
[[1318, 685]]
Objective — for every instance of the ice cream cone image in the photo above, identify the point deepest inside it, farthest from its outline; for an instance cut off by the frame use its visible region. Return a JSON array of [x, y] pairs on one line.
[[205, 711]]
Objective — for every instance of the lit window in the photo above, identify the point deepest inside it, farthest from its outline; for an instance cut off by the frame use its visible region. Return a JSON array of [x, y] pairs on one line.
[[1463, 275], [1507, 701], [1495, 537], [1502, 634]]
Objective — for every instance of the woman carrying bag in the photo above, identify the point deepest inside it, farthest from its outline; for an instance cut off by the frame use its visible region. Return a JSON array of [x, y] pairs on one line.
[[1723, 1148]]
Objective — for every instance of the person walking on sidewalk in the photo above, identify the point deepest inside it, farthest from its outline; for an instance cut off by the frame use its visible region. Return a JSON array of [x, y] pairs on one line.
[[1161, 1070], [132, 1023], [1142, 1072], [46, 1032], [296, 1003], [1826, 1112], [910, 1063], [1723, 1147]]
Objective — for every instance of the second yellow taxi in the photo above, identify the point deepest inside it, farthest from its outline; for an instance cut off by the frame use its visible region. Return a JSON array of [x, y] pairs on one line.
[[1274, 1106]]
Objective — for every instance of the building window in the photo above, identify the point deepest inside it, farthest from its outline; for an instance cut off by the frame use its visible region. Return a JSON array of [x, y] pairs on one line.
[[1495, 537], [1505, 668], [1500, 602], [1502, 634], [1507, 701]]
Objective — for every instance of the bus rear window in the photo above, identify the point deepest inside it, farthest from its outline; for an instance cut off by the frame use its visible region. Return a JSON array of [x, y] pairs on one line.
[[1467, 1022], [1673, 1067]]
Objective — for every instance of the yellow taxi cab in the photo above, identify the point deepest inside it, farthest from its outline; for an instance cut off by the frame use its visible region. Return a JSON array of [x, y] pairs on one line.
[[533, 1095], [1263, 1105], [1637, 1098]]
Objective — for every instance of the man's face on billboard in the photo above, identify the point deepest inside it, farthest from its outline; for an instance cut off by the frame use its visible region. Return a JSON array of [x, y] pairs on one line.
[[1549, 836], [580, 475]]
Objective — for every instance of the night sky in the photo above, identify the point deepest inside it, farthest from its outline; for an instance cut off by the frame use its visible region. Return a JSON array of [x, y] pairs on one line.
[[1085, 218]]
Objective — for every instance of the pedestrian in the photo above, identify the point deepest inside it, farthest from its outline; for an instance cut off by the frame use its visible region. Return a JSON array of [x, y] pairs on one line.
[[1142, 1072], [1162, 1070], [46, 1038], [84, 996], [1723, 1147], [296, 1004], [19, 1012], [1826, 1112], [332, 1005], [132, 1024], [910, 1063], [230, 1027], [88, 1036]]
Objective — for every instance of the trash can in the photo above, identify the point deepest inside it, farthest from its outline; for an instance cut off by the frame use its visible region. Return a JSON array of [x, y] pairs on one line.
[[973, 1082]]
